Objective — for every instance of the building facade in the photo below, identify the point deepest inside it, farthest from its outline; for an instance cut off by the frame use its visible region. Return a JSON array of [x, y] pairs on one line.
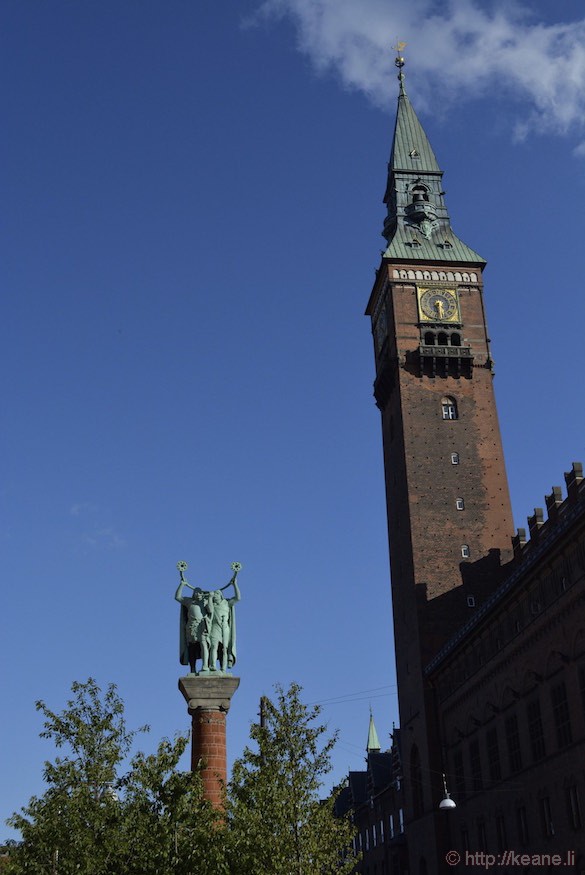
[[510, 691]]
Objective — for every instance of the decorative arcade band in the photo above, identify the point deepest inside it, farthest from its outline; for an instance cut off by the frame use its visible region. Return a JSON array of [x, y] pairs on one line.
[[208, 625]]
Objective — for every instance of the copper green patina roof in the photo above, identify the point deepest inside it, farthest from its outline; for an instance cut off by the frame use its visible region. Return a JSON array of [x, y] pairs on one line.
[[410, 137], [373, 741], [417, 227], [407, 245]]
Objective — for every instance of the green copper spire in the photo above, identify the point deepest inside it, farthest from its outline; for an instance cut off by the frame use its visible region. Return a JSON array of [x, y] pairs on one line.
[[373, 745], [417, 226]]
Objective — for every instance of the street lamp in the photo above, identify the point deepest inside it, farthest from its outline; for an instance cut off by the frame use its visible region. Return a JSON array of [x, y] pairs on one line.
[[446, 803]]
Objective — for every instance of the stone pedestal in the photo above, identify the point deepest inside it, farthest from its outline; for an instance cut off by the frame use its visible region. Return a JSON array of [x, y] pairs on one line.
[[208, 701]]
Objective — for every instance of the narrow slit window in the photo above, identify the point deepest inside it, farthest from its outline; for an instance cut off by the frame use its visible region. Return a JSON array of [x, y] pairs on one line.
[[454, 458], [460, 504], [465, 551]]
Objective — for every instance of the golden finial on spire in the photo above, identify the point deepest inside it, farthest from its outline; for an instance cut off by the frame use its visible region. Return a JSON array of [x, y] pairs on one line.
[[398, 49], [399, 61]]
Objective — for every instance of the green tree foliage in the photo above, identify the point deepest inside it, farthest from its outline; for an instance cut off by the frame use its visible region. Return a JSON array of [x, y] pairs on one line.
[[278, 824], [94, 819], [97, 818]]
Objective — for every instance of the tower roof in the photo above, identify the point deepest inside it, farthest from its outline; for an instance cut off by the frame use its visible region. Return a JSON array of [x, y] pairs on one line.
[[418, 227], [373, 745], [411, 149]]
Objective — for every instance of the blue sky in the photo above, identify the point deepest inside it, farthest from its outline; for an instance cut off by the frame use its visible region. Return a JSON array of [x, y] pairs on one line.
[[191, 222]]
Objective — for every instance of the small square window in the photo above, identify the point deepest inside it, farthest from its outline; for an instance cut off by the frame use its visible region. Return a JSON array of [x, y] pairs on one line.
[[470, 601], [454, 458], [460, 504], [465, 551]]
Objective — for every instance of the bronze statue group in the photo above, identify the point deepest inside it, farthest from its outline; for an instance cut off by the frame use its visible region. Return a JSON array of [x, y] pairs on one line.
[[208, 625]]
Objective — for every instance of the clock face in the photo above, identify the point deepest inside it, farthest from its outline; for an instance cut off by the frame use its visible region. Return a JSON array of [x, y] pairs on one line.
[[438, 305]]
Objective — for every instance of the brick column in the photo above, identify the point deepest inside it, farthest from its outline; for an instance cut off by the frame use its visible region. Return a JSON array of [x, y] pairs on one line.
[[208, 700]]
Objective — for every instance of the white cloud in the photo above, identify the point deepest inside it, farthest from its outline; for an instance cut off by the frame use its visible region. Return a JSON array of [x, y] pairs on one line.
[[97, 535], [456, 49], [104, 537], [81, 508]]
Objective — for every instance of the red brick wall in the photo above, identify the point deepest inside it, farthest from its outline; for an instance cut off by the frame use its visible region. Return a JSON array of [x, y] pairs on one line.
[[209, 751], [431, 580]]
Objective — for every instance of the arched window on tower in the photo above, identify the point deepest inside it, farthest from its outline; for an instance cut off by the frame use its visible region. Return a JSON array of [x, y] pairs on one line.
[[449, 408], [442, 339], [420, 193], [455, 339], [429, 338]]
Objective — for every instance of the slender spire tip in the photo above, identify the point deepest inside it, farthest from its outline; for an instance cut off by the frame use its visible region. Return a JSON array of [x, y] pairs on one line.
[[399, 62]]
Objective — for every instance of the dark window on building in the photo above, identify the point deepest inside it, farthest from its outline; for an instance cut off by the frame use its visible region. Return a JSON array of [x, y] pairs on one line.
[[582, 685], [442, 339], [460, 503], [475, 759], [481, 836], [390, 826], [429, 338], [455, 461], [455, 339], [464, 838], [501, 832], [546, 820], [449, 408], [535, 730], [513, 741], [561, 714], [493, 754], [465, 551], [416, 782], [522, 824], [459, 775], [574, 807]]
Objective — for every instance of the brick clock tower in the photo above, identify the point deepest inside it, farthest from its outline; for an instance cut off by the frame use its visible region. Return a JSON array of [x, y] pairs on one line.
[[449, 514]]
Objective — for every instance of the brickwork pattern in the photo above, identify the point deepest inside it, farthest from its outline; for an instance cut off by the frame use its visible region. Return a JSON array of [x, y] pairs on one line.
[[433, 583], [528, 650], [208, 752]]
